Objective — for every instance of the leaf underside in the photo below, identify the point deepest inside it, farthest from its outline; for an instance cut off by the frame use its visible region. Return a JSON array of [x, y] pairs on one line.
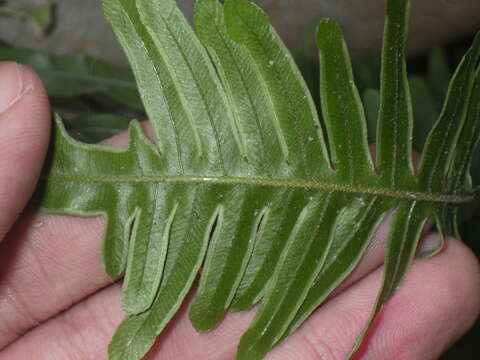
[[243, 183]]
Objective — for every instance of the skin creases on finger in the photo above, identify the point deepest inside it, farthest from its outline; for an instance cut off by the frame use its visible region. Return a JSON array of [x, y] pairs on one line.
[[85, 330], [47, 264]]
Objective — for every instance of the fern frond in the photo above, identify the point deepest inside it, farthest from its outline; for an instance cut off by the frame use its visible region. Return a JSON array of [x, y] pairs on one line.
[[242, 180]]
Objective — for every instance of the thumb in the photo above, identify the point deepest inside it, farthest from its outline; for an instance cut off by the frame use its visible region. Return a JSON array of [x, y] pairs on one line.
[[24, 136]]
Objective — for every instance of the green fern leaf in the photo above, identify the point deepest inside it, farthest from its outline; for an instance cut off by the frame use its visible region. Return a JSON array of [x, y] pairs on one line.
[[243, 182]]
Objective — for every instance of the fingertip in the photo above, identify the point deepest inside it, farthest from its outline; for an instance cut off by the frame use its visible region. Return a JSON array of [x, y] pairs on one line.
[[24, 136], [17, 82], [24, 106]]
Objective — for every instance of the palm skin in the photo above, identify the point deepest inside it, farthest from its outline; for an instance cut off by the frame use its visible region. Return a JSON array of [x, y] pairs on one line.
[[57, 303]]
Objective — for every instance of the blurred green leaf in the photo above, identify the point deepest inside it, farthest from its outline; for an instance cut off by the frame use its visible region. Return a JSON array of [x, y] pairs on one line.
[[425, 110], [41, 15], [367, 69], [371, 103], [439, 73], [73, 75]]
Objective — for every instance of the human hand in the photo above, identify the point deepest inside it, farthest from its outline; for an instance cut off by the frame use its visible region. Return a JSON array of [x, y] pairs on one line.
[[57, 303]]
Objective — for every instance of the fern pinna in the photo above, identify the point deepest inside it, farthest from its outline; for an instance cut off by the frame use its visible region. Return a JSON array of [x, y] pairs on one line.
[[242, 181]]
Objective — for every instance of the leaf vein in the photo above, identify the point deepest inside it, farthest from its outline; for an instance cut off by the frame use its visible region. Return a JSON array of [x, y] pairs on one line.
[[307, 185]]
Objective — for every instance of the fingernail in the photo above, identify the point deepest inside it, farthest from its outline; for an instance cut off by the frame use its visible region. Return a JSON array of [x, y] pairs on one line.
[[15, 82], [431, 245]]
